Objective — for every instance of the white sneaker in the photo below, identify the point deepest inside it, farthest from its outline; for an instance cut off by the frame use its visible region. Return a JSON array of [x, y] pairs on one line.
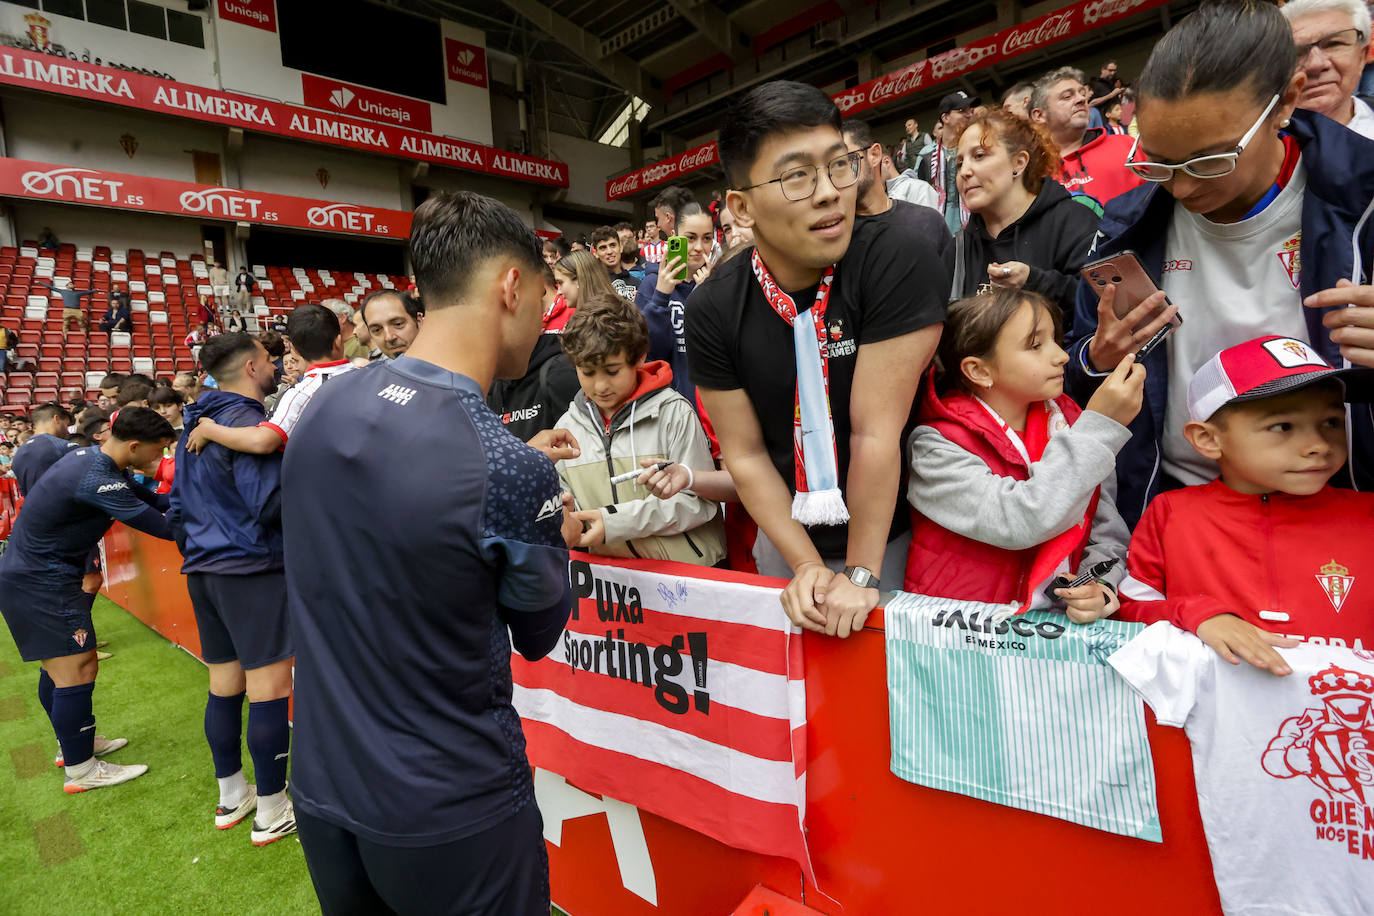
[[104, 774], [226, 817], [103, 746], [283, 825], [101, 656]]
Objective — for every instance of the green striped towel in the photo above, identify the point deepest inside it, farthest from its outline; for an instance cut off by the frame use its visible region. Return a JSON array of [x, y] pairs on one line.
[[1022, 711]]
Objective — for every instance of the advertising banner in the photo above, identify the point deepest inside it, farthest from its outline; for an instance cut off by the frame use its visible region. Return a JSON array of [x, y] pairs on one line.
[[45, 73], [680, 696], [696, 158], [466, 63], [260, 14], [45, 181], [362, 102]]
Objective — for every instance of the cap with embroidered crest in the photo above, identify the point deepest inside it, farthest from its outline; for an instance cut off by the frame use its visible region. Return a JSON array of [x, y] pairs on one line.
[[1265, 367]]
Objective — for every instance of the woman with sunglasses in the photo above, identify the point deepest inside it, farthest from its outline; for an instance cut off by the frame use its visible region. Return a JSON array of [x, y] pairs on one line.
[[1251, 211]]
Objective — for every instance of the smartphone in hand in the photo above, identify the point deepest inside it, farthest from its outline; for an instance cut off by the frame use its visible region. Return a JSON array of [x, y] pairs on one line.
[[1133, 284], [677, 248]]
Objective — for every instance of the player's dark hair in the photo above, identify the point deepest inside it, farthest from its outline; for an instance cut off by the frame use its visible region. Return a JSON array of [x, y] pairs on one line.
[[132, 389], [46, 413], [623, 227], [162, 397], [112, 380], [455, 232], [773, 107], [312, 329], [1223, 45], [412, 304], [140, 424], [604, 234], [223, 354]]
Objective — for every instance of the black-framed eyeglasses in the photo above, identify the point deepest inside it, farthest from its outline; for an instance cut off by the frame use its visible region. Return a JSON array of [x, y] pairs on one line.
[[1336, 44], [798, 182], [1216, 165]]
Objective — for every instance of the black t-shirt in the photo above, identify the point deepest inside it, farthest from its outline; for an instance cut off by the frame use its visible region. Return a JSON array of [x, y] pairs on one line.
[[1100, 87], [891, 282], [922, 222], [625, 284]]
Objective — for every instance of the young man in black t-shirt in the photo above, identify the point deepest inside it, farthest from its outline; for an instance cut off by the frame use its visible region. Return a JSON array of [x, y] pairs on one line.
[[606, 247], [793, 183]]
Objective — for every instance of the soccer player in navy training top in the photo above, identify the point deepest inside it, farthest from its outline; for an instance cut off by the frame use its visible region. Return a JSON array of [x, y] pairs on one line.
[[65, 515], [226, 511], [409, 776], [44, 448]]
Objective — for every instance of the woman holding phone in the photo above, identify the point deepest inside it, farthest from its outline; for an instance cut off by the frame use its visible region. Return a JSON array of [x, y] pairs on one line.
[[1251, 211], [662, 295], [1024, 231]]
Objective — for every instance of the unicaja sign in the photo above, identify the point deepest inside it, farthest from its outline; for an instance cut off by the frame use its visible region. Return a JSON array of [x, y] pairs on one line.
[[362, 102]]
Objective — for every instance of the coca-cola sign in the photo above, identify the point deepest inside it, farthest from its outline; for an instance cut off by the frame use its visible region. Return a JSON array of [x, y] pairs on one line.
[[696, 158], [69, 184], [984, 52]]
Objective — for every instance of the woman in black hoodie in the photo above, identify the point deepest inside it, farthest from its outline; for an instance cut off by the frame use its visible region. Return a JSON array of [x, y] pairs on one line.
[[1025, 231]]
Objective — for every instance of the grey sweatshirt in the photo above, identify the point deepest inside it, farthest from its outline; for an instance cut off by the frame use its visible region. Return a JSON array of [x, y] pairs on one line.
[[956, 490]]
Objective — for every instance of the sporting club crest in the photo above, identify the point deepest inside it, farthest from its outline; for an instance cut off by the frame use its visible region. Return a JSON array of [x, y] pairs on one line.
[[1337, 582], [80, 637], [1291, 259]]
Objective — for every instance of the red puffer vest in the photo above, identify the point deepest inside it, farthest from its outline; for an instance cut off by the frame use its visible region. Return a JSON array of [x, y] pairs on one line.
[[943, 564]]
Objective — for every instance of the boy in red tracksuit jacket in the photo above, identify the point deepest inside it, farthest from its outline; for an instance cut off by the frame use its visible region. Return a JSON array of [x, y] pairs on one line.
[[1267, 554]]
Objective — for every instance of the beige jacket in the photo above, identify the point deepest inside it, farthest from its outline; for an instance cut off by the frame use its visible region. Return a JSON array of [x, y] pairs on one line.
[[656, 422]]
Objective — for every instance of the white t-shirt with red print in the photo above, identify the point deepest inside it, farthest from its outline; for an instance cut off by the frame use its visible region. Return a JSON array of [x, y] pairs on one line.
[[1284, 767]]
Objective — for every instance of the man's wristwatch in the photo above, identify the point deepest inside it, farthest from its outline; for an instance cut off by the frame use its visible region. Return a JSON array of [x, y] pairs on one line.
[[861, 577]]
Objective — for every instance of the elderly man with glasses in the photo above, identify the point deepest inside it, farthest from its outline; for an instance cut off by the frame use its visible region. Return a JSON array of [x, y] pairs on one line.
[[1332, 39]]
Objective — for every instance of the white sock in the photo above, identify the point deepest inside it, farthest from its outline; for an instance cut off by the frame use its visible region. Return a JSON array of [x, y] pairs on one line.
[[79, 770], [270, 807], [232, 789]]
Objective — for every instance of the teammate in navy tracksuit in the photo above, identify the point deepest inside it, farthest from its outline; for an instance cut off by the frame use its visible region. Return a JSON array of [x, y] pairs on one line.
[[43, 449], [49, 616], [226, 509], [409, 774]]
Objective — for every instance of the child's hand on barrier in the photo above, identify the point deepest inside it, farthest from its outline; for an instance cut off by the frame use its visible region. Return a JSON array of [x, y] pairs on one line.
[[1235, 639], [1089, 602]]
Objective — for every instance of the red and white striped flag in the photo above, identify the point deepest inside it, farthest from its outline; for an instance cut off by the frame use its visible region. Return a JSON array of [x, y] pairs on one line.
[[652, 251], [677, 689]]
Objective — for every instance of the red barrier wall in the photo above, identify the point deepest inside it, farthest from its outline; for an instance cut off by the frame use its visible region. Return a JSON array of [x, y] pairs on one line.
[[879, 844]]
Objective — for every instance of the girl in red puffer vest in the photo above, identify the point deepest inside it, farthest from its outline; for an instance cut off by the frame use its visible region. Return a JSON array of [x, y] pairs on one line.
[[1011, 483]]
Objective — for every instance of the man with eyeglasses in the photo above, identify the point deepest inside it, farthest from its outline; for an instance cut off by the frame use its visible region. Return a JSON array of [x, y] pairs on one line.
[[807, 351], [1332, 39]]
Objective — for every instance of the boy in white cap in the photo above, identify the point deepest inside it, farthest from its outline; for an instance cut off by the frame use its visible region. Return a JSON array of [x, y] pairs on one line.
[[1267, 548]]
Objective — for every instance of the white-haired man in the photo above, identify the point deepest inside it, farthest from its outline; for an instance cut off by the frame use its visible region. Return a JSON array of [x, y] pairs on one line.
[[1332, 37]]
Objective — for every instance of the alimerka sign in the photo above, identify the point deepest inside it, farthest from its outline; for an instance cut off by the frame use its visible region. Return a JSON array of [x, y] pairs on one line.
[[42, 72], [45, 181]]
